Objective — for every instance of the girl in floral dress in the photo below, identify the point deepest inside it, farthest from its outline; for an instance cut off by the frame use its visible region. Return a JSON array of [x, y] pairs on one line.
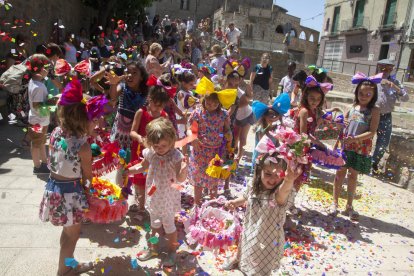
[[362, 123], [213, 124], [70, 164]]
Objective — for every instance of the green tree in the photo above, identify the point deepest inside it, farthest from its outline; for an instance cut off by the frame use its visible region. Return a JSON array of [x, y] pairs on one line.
[[118, 9]]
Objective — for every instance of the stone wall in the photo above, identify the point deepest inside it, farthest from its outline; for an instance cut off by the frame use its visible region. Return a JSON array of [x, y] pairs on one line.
[[42, 14]]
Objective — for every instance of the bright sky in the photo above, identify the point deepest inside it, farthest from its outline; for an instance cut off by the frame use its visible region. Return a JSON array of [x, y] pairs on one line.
[[305, 10]]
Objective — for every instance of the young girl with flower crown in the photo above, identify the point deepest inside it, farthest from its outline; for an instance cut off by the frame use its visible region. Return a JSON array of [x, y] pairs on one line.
[[362, 122], [157, 99], [70, 164], [261, 247], [166, 166], [212, 125]]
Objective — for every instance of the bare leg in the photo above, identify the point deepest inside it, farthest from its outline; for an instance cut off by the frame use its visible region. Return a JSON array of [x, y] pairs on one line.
[[172, 242], [339, 180], [68, 240], [35, 151], [213, 192], [243, 132], [198, 192], [43, 156], [352, 183]]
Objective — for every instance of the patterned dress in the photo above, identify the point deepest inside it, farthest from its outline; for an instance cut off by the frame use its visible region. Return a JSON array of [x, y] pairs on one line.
[[162, 174], [129, 103], [262, 244], [64, 202], [211, 132]]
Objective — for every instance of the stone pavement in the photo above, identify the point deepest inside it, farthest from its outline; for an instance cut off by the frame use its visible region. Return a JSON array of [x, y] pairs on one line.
[[381, 243]]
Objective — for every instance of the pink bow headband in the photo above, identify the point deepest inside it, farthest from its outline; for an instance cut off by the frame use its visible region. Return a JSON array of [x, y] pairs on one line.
[[360, 77], [325, 86]]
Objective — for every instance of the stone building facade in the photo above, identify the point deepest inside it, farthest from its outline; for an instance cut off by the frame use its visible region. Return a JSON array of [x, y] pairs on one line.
[[358, 33], [265, 27], [42, 14]]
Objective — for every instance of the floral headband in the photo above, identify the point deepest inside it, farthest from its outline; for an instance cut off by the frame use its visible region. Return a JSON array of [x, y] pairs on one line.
[[226, 97], [312, 82], [360, 77], [281, 105], [240, 68], [72, 93], [153, 81], [95, 106], [178, 69]]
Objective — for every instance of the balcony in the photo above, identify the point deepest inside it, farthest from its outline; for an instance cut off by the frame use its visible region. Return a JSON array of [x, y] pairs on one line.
[[388, 21], [355, 25]]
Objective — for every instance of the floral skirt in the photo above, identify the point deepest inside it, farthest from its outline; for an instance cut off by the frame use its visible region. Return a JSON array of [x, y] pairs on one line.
[[199, 161], [63, 203], [358, 162]]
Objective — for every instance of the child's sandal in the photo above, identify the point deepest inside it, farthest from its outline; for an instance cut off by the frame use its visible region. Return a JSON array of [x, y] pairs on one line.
[[147, 254]]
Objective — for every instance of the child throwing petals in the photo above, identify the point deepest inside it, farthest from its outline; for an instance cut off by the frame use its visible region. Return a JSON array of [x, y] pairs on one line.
[[362, 122], [261, 247], [166, 166], [157, 99]]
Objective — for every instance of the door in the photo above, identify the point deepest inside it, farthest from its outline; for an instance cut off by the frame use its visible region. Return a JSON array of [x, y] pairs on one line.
[[359, 13], [335, 21], [390, 13]]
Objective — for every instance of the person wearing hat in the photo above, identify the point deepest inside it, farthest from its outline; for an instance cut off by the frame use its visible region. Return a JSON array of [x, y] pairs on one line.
[[218, 59], [389, 91]]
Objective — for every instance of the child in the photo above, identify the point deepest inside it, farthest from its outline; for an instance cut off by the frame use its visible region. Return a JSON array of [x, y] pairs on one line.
[[261, 246], [38, 120], [363, 119], [268, 118], [166, 166], [307, 118], [157, 99], [132, 96], [213, 125], [187, 81], [64, 200]]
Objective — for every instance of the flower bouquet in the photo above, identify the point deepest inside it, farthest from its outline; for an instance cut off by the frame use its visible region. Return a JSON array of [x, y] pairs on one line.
[[106, 203], [211, 227], [331, 127]]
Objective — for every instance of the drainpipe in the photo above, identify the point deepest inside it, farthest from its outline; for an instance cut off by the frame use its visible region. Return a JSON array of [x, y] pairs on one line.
[[403, 38]]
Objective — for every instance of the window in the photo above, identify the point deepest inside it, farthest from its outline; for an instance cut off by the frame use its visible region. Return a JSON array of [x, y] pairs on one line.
[[302, 35], [328, 21], [355, 49], [293, 33], [185, 5], [389, 16], [384, 51], [332, 55], [311, 38], [359, 14], [279, 29], [335, 21]]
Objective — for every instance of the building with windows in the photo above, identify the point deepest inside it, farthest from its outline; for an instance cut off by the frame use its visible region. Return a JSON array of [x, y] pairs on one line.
[[358, 33]]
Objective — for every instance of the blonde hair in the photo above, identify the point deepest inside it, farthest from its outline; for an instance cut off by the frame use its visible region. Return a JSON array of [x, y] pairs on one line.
[[158, 129], [74, 119], [154, 47], [37, 62]]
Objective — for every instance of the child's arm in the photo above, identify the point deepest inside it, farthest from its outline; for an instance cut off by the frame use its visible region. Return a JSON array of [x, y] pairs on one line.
[[235, 203], [182, 169], [303, 127], [135, 126], [282, 193], [372, 128], [139, 168], [115, 88], [176, 109], [85, 154]]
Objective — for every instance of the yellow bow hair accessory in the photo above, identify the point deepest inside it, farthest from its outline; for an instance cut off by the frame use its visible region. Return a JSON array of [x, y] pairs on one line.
[[226, 97]]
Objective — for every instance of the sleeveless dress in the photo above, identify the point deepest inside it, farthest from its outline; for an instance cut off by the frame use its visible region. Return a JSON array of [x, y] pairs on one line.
[[64, 202], [211, 135], [137, 149], [358, 154], [262, 243]]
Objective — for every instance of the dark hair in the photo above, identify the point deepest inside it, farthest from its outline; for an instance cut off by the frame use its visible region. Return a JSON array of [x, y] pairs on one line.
[[141, 50], [143, 88], [53, 49], [320, 77], [157, 94], [300, 76], [305, 94], [168, 79], [260, 163], [213, 97], [369, 83], [186, 77]]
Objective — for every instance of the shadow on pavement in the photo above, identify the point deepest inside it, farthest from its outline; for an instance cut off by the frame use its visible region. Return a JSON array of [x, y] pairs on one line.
[[10, 145]]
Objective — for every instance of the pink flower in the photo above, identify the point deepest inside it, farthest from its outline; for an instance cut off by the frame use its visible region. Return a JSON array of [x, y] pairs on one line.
[[55, 199]]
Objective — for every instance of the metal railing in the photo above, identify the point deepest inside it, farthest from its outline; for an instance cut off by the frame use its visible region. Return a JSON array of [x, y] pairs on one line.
[[347, 67]]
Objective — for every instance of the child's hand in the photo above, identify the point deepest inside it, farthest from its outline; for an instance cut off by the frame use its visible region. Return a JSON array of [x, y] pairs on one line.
[[141, 140], [292, 174], [230, 205], [113, 79]]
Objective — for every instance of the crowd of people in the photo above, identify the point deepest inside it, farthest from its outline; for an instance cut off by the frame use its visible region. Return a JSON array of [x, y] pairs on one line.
[[147, 90]]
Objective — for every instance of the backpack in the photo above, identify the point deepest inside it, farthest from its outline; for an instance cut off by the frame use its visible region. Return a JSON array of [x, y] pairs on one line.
[[13, 79]]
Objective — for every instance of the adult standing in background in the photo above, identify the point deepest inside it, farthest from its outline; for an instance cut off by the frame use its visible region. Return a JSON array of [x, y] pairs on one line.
[[152, 63], [233, 35], [389, 91], [261, 79]]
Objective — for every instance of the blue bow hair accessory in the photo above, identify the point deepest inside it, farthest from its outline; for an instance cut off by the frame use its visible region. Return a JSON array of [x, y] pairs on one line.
[[281, 105]]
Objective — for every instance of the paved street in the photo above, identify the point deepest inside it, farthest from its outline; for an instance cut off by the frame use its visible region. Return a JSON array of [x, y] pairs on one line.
[[381, 243]]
